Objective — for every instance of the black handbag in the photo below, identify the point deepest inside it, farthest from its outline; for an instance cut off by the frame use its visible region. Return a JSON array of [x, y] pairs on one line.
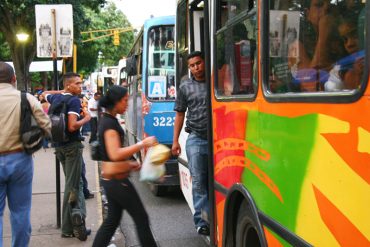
[[95, 150]]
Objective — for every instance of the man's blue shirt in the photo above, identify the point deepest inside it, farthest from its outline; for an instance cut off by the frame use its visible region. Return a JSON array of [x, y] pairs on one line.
[[73, 107]]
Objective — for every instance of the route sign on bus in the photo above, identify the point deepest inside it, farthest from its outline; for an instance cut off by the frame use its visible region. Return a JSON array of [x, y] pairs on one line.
[[157, 86]]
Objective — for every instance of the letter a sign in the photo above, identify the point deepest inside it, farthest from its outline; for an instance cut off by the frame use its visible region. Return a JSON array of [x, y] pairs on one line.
[[157, 86]]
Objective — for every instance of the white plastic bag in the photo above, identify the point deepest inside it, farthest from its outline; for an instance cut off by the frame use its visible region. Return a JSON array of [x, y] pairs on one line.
[[149, 171]]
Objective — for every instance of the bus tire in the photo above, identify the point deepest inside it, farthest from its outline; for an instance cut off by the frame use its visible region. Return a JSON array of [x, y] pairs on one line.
[[246, 229], [158, 190]]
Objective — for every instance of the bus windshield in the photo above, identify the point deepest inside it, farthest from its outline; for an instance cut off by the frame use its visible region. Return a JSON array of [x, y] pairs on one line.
[[161, 63]]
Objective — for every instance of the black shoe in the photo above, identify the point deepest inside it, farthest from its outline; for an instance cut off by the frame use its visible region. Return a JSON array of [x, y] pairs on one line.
[[79, 228], [89, 196], [88, 232], [203, 230]]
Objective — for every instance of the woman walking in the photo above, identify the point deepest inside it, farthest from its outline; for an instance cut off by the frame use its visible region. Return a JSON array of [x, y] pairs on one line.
[[116, 168]]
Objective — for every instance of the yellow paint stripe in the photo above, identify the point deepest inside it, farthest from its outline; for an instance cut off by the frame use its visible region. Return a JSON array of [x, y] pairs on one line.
[[343, 187], [363, 141]]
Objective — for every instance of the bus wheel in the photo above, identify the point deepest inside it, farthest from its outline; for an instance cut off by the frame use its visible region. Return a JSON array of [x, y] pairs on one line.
[[246, 230], [158, 190]]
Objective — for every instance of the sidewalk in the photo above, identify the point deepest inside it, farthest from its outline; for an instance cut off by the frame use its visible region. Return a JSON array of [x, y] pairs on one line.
[[43, 213]]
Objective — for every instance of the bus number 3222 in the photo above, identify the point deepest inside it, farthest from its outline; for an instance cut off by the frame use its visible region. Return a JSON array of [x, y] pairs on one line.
[[163, 121]]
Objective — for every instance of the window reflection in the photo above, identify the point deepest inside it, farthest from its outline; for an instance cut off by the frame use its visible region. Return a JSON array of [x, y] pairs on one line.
[[161, 62], [316, 46]]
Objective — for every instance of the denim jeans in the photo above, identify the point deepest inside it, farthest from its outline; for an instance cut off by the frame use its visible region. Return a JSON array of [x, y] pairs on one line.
[[16, 173], [85, 184], [197, 153], [70, 155]]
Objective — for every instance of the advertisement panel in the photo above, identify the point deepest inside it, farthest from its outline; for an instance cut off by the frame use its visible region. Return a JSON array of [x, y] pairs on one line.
[[45, 28]]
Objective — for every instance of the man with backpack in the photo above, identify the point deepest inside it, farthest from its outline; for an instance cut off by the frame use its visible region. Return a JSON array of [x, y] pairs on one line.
[[67, 117], [16, 165]]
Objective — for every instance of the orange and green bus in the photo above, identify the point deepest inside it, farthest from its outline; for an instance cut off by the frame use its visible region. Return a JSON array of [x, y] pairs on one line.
[[289, 119]]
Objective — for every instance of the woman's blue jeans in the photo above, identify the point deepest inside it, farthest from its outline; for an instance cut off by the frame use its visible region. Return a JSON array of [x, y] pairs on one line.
[[197, 153], [16, 173]]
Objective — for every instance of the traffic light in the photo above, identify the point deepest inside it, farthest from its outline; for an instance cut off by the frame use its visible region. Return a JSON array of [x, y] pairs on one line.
[[115, 37]]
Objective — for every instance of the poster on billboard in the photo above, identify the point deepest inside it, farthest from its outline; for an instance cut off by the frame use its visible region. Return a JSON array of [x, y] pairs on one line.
[[45, 27]]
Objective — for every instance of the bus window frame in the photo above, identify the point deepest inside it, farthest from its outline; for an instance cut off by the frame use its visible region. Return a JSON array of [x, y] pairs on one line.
[[349, 96], [183, 51], [242, 16], [147, 67]]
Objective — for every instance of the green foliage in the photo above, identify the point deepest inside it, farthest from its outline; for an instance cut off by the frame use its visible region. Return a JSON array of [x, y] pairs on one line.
[[4, 49], [108, 17], [16, 15], [19, 15]]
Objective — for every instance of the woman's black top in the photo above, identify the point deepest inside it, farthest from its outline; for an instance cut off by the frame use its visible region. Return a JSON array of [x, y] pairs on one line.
[[107, 122]]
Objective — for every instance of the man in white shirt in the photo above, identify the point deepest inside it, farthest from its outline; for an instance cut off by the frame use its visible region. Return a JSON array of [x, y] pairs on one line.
[[93, 109]]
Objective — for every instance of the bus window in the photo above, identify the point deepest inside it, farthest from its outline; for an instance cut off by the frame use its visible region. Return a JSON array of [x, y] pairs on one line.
[[236, 50], [315, 46], [232, 9], [161, 63]]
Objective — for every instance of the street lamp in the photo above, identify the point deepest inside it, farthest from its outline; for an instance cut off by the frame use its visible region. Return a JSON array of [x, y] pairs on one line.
[[22, 38]]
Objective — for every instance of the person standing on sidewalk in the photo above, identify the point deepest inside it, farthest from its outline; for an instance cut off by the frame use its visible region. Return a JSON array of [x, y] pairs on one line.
[[191, 96], [93, 109], [70, 155], [116, 167], [16, 167]]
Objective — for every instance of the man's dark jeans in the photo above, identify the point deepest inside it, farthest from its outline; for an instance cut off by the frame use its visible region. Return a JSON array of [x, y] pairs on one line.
[[94, 128], [70, 156]]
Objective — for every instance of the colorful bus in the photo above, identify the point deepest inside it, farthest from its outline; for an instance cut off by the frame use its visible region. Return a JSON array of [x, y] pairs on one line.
[[150, 68], [289, 127]]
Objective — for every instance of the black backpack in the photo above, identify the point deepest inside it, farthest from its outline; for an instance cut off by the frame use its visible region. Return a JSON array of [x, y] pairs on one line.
[[32, 135], [59, 120]]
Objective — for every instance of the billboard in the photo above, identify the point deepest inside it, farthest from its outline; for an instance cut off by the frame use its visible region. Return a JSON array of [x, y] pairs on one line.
[[45, 27]]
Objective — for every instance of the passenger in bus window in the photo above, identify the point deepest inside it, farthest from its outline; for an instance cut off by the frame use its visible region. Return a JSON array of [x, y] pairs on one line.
[[192, 98], [319, 46], [348, 71]]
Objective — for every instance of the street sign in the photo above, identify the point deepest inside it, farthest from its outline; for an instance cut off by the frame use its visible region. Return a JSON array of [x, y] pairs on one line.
[[54, 19]]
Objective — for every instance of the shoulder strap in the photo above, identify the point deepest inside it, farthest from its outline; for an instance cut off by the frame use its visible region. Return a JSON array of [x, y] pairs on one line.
[[60, 106], [25, 106], [65, 102]]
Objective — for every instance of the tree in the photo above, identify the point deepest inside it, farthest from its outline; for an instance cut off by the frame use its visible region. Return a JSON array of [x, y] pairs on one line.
[[108, 17], [19, 15]]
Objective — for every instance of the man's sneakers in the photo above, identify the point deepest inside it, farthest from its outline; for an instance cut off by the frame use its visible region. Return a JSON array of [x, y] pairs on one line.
[[89, 196], [203, 230], [71, 235], [79, 228], [64, 235]]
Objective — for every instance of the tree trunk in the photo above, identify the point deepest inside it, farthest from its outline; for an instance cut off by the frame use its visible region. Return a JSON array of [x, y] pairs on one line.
[[21, 67]]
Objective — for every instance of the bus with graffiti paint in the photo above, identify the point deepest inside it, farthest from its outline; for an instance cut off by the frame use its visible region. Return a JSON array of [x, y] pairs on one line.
[[289, 129], [150, 67]]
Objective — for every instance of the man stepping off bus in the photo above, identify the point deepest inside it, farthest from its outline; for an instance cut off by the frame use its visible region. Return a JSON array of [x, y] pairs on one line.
[[191, 96]]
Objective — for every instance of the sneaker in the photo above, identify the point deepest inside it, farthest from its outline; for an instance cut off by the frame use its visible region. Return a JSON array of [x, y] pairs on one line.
[[203, 230], [79, 228], [89, 196], [65, 235]]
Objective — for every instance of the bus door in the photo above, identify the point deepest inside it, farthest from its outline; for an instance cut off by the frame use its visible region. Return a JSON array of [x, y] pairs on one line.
[[189, 36], [133, 123]]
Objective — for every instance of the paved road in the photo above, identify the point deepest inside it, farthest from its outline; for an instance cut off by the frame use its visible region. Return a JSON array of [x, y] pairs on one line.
[[170, 218]]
